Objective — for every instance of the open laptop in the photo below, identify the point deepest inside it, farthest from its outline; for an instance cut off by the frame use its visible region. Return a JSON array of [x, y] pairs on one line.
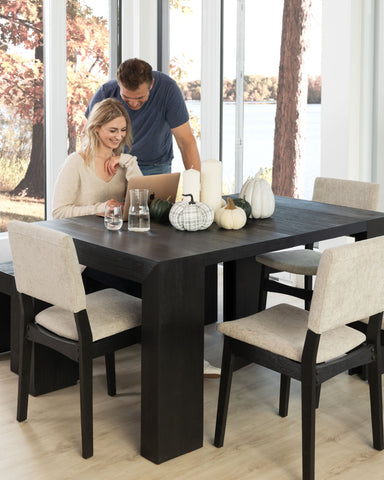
[[160, 186]]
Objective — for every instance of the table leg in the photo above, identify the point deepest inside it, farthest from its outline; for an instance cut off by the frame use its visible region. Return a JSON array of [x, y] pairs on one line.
[[241, 288], [172, 361]]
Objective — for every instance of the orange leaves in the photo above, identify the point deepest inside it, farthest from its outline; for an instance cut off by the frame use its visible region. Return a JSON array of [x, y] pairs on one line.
[[21, 25]]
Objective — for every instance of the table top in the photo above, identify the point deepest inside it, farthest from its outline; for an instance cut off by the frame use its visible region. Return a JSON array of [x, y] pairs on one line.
[[294, 222]]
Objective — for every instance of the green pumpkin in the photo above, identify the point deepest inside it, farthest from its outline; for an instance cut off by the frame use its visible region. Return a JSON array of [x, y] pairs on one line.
[[246, 206], [159, 210]]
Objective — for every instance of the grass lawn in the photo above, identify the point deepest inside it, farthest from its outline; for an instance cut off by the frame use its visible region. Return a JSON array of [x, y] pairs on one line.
[[19, 208]]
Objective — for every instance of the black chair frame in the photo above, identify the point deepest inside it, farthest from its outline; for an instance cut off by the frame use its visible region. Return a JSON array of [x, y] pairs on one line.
[[236, 354], [82, 352]]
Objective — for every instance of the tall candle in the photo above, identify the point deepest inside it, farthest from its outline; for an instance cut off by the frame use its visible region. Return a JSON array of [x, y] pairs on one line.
[[191, 184], [211, 183]]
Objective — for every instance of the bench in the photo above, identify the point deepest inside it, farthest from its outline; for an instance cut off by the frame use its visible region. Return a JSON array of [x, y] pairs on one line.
[[7, 297]]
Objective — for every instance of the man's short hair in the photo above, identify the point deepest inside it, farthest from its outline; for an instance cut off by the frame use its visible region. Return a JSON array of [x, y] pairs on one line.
[[134, 72]]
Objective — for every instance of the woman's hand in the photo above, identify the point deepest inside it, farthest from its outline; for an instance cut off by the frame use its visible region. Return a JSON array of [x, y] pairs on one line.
[[111, 165], [114, 203]]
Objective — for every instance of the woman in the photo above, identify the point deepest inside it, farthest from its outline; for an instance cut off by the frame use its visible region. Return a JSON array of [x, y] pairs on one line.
[[97, 175]]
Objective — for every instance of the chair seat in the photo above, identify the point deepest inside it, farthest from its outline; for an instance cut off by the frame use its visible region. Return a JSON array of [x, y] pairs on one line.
[[282, 330], [109, 311], [299, 261]]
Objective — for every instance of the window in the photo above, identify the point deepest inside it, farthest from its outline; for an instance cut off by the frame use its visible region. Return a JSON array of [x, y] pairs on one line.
[[251, 55], [22, 161], [185, 62], [87, 60]]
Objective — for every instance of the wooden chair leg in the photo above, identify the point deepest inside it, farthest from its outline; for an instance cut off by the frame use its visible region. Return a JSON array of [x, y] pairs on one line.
[[24, 379], [318, 391], [86, 405], [308, 285], [224, 393], [285, 385], [376, 400], [264, 276], [110, 373], [308, 417]]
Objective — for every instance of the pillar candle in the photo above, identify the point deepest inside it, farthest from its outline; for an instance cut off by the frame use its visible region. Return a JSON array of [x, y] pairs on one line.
[[211, 183], [191, 184]]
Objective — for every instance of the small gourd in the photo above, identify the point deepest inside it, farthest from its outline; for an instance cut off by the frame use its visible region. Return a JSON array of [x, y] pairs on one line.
[[246, 206], [230, 217], [191, 216], [257, 191], [160, 209]]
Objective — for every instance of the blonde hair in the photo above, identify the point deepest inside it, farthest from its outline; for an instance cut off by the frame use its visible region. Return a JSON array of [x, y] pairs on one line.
[[102, 113]]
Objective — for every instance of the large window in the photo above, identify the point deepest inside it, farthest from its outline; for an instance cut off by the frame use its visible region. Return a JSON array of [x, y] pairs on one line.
[[251, 55], [22, 137], [22, 161], [252, 36]]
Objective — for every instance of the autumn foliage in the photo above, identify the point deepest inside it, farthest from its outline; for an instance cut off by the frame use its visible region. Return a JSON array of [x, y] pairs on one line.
[[22, 72]]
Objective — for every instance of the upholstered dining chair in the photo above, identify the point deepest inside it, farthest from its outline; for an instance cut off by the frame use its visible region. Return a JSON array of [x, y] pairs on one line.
[[315, 346], [346, 193], [76, 325]]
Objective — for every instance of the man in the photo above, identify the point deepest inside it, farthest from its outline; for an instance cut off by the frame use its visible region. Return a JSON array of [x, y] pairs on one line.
[[157, 111]]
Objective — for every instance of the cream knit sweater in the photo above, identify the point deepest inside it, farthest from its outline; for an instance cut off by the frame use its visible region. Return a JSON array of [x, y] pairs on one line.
[[79, 191]]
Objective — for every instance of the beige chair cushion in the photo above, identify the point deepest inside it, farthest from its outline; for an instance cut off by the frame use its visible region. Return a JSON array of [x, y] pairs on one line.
[[335, 191], [282, 330], [109, 311], [301, 262]]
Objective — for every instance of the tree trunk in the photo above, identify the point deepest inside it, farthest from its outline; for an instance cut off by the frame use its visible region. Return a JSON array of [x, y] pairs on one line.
[[33, 184], [292, 94]]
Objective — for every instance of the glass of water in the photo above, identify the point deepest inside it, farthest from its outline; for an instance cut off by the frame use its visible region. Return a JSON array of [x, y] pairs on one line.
[[138, 213], [113, 217]]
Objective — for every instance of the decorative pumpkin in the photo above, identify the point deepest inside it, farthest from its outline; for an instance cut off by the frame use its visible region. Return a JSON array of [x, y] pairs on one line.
[[257, 191], [246, 206], [231, 217], [191, 216], [160, 209]]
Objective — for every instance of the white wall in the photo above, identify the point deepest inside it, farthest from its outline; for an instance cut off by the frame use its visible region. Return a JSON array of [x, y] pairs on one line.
[[352, 78]]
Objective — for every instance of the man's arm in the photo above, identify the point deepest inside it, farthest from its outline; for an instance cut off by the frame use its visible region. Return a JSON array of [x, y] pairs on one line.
[[187, 145]]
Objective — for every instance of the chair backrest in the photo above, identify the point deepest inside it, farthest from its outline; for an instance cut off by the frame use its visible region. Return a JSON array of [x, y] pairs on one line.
[[349, 285], [46, 265], [347, 193]]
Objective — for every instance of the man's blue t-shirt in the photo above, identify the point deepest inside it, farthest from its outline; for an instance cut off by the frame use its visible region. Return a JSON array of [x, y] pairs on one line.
[[152, 123]]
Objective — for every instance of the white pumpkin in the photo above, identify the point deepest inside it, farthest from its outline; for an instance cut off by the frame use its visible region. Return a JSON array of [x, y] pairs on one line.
[[257, 191], [230, 217], [191, 216]]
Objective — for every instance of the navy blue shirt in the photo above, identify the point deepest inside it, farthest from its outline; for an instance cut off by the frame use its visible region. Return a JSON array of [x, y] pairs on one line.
[[152, 123]]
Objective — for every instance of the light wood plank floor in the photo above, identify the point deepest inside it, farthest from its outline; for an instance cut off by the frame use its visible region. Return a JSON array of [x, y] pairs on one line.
[[258, 444]]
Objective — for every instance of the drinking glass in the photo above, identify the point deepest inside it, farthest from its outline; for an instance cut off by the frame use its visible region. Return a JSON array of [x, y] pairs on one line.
[[113, 217], [138, 213]]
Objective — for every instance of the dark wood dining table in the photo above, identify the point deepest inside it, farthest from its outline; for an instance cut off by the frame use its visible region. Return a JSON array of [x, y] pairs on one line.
[[172, 268]]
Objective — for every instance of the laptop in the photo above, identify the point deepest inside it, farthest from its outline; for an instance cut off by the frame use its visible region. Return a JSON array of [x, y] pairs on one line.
[[159, 186]]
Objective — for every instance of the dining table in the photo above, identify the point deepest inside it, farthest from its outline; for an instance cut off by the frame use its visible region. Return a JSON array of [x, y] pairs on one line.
[[176, 270]]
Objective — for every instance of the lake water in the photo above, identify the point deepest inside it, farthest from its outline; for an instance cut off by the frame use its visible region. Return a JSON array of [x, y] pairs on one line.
[[259, 125]]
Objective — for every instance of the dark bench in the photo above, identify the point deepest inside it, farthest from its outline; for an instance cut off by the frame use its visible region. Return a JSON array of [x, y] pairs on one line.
[[7, 296]]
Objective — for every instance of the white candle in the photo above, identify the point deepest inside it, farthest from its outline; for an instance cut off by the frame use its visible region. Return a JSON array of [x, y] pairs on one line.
[[211, 183], [191, 184]]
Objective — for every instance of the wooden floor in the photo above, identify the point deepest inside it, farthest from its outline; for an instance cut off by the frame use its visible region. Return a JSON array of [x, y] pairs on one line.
[[258, 444]]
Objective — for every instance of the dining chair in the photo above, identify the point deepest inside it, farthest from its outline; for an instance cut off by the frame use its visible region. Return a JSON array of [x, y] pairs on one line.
[[305, 261], [79, 326], [315, 346]]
